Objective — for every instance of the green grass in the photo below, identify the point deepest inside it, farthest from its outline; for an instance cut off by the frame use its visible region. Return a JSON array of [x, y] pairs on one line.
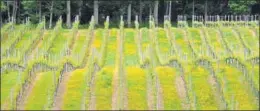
[[7, 34], [79, 48], [163, 41], [74, 91], [257, 33], [136, 86], [130, 52], [5, 29], [235, 45], [111, 47], [202, 94], [215, 42], [254, 74], [167, 77], [25, 39], [12, 34], [9, 83], [58, 49], [79, 43], [144, 38], [24, 43], [196, 41], [250, 43], [181, 44], [11, 39], [46, 42], [163, 44], [235, 88], [103, 88], [98, 38], [42, 92]]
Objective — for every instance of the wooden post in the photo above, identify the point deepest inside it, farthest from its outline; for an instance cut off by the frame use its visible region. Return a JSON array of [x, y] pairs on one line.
[[232, 19], [44, 22], [247, 16]]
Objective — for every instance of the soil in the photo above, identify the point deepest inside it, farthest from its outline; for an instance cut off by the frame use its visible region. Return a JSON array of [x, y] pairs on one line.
[[28, 91], [58, 101], [182, 92]]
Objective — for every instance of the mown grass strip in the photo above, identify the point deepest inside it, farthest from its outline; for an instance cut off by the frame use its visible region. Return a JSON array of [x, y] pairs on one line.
[[234, 88], [98, 39], [136, 85], [130, 51], [181, 44], [167, 77], [79, 49], [9, 84], [196, 41], [58, 49], [111, 47], [74, 90], [215, 42], [249, 40], [233, 42], [103, 88], [144, 38], [163, 44], [163, 41], [41, 95], [200, 92]]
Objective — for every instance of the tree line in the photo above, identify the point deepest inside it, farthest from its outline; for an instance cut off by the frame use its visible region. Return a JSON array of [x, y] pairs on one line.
[[18, 10]]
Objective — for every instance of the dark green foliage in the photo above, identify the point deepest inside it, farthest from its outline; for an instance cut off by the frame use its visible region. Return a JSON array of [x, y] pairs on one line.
[[116, 8]]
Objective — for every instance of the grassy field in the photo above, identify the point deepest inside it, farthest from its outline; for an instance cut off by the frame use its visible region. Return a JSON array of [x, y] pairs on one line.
[[126, 68]]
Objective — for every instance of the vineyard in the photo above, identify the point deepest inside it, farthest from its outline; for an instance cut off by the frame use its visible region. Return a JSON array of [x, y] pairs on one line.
[[211, 66]]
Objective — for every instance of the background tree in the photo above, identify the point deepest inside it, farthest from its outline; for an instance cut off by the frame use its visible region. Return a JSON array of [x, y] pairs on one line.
[[129, 14], [68, 14], [8, 9], [205, 10], [140, 10], [240, 6], [52, 9], [80, 4], [170, 10], [40, 10], [3, 8], [14, 10], [96, 11], [156, 3], [51, 13]]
